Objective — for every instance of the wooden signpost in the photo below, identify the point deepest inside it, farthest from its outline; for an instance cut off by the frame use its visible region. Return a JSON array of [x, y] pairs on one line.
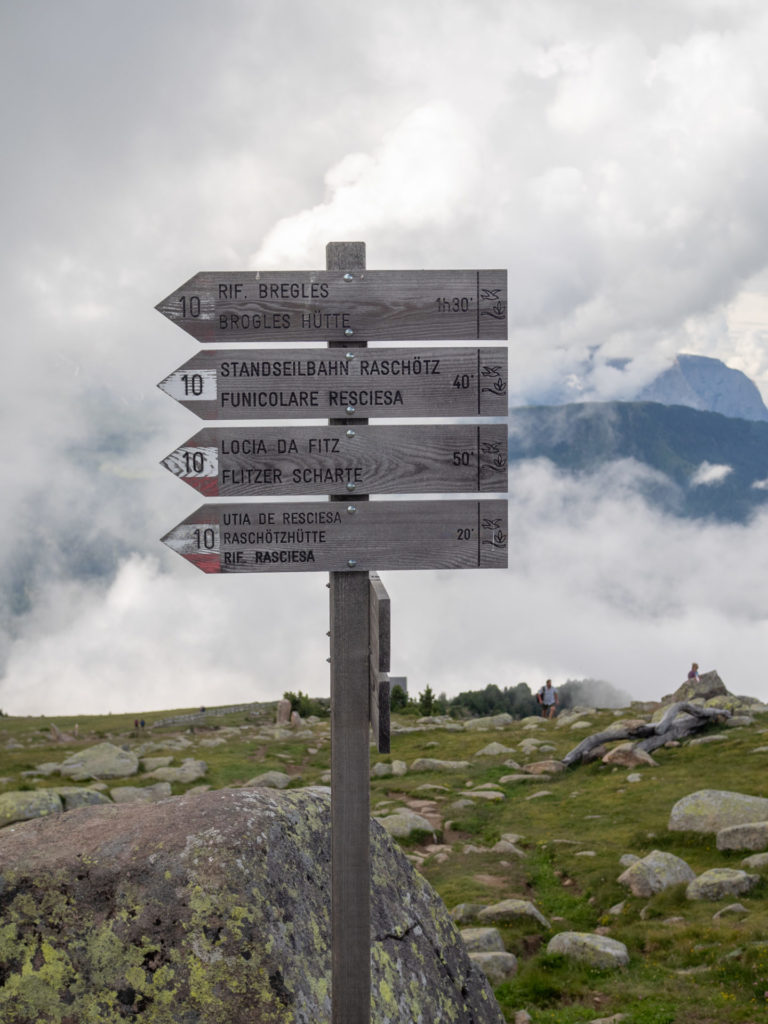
[[378, 305], [421, 459], [361, 535], [372, 383], [349, 536]]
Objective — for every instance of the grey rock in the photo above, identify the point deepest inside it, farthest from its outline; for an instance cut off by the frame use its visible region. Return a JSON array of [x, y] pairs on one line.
[[626, 755], [497, 966], [494, 750], [719, 883], [149, 764], [596, 950], [656, 872], [73, 797], [491, 722], [465, 912], [512, 910], [432, 764], [710, 810], [141, 794], [482, 940], [399, 768], [547, 768], [225, 866], [270, 780], [23, 805], [190, 770], [752, 836], [708, 685], [757, 862], [402, 824], [104, 761], [732, 910]]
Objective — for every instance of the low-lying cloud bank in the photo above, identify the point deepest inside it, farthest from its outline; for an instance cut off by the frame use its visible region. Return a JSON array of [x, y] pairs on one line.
[[599, 585]]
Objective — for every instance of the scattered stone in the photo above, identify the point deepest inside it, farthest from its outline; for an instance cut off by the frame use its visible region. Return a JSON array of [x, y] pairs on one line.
[[752, 836], [522, 777], [73, 797], [739, 721], [141, 794], [497, 967], [487, 794], [585, 853], [542, 792], [46, 769], [732, 910], [402, 824], [617, 908], [399, 768], [270, 780], [465, 912], [596, 950], [149, 764], [494, 750], [431, 764], [482, 940], [24, 805], [104, 761], [581, 724], [698, 740], [523, 1017], [283, 716], [504, 846], [491, 722], [710, 810], [634, 777], [626, 755], [718, 883], [381, 770], [190, 770], [655, 872], [756, 862], [512, 910], [544, 768], [628, 859]]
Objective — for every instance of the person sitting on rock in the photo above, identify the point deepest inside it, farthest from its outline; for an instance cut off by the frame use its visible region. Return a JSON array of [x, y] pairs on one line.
[[547, 698], [693, 675]]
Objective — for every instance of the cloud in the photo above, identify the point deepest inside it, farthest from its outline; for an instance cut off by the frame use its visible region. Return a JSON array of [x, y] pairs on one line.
[[709, 475]]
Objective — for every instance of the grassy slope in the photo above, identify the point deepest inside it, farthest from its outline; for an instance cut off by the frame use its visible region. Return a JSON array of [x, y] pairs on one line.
[[694, 971]]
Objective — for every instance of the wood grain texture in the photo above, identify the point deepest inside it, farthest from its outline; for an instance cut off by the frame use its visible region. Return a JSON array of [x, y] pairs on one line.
[[295, 384], [379, 610], [231, 307], [336, 536], [346, 460], [350, 764]]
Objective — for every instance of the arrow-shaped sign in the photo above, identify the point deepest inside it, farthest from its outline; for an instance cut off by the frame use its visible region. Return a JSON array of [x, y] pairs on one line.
[[231, 307], [341, 536], [364, 383], [413, 459]]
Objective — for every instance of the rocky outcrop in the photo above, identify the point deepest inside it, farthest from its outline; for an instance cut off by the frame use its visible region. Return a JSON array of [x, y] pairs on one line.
[[213, 907], [707, 686]]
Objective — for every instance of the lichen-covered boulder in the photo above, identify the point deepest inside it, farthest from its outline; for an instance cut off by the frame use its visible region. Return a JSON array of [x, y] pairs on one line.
[[73, 797], [708, 685], [513, 910], [709, 810], [22, 805], [719, 883], [271, 780], [404, 823], [655, 872], [596, 950], [496, 965], [752, 836], [213, 907], [104, 761], [433, 764], [190, 770]]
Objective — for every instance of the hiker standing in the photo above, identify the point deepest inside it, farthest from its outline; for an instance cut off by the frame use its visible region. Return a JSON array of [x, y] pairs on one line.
[[548, 699]]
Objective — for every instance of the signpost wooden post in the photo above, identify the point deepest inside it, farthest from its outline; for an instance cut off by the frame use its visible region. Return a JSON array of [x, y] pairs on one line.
[[348, 536]]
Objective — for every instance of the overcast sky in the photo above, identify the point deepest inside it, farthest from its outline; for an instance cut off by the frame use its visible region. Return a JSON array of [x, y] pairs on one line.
[[611, 155]]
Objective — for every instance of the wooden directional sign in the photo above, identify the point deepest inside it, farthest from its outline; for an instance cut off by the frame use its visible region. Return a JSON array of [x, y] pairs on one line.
[[376, 305], [340, 536], [379, 619], [362, 383], [415, 459]]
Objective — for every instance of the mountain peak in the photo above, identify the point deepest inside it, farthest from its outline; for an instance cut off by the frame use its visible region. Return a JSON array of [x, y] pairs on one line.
[[704, 383]]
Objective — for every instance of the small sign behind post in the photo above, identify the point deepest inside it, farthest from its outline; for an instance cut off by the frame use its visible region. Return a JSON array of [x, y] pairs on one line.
[[414, 459], [360, 384], [380, 618], [321, 305]]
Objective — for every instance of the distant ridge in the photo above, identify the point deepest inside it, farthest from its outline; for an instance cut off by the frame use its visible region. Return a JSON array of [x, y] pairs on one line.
[[676, 441], [708, 385]]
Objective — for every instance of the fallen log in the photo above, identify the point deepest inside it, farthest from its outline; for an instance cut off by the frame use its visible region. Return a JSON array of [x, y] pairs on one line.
[[651, 734]]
